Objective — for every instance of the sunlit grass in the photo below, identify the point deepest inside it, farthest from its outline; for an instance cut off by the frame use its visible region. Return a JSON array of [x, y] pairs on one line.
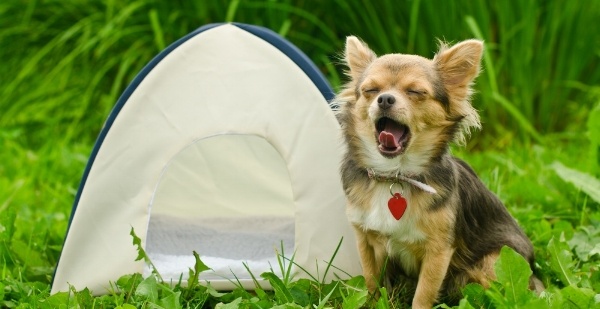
[[65, 63]]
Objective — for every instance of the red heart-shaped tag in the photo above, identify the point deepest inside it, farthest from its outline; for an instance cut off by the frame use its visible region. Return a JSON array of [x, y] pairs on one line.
[[397, 205]]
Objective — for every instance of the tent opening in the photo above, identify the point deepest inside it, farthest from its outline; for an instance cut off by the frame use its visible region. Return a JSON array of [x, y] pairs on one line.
[[227, 197]]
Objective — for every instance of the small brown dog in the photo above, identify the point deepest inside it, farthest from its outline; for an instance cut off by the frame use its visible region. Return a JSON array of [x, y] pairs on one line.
[[409, 200]]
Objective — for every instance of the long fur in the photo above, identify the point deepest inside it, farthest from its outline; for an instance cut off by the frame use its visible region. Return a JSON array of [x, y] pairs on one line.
[[444, 240]]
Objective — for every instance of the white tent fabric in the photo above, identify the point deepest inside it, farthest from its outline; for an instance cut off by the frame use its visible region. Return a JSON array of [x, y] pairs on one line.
[[223, 145]]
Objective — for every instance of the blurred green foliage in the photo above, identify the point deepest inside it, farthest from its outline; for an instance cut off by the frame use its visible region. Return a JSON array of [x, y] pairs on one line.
[[65, 63]]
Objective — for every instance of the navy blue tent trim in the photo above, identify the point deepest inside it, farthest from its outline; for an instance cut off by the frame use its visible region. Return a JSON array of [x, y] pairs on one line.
[[268, 35]]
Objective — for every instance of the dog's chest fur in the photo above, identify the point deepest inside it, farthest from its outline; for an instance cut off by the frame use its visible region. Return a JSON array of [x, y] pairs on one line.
[[398, 235]]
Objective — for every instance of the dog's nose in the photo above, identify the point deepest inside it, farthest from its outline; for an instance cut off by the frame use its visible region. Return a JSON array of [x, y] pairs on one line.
[[386, 101]]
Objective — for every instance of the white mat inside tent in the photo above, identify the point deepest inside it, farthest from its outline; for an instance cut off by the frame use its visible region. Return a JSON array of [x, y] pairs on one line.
[[224, 245]]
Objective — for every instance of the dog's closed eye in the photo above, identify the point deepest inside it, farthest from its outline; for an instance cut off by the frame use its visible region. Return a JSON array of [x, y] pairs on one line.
[[371, 91], [416, 92]]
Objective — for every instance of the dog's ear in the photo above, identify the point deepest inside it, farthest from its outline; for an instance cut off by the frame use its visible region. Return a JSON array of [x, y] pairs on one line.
[[459, 65], [358, 56]]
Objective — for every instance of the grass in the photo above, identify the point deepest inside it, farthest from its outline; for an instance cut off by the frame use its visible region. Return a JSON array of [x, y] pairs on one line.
[[66, 63]]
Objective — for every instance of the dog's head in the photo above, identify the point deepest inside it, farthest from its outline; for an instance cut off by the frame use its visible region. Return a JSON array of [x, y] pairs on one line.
[[400, 110]]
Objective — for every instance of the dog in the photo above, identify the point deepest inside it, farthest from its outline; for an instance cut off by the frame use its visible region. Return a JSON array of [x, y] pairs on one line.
[[412, 204]]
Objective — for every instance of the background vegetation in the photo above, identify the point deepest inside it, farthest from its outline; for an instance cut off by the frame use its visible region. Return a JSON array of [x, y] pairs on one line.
[[64, 64]]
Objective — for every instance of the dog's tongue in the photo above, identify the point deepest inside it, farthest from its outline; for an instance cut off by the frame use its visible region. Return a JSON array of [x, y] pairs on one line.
[[391, 134]]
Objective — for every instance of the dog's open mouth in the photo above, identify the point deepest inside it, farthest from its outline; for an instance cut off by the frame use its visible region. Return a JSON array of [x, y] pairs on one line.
[[393, 137]]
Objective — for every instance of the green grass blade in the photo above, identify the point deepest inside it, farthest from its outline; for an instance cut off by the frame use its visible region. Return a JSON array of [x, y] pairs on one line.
[[158, 32], [584, 181], [487, 58], [232, 10], [330, 262], [324, 301], [412, 30], [521, 119], [281, 291]]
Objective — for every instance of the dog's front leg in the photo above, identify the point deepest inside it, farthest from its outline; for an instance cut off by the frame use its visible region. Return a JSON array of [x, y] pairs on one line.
[[431, 276], [372, 256]]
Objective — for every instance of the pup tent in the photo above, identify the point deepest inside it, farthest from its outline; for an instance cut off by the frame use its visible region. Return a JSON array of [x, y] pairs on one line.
[[224, 144]]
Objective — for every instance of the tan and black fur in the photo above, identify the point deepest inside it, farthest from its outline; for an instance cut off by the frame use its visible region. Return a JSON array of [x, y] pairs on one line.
[[444, 240]]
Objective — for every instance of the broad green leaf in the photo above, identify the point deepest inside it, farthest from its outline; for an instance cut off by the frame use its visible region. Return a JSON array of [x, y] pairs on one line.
[[586, 242], [595, 250], [53, 301], [464, 304], [213, 292], [26, 254], [536, 303], [584, 181], [303, 291], [496, 296], [579, 297], [148, 289], [232, 305], [126, 306], [128, 283], [513, 272], [475, 293], [356, 293], [356, 299], [357, 283], [332, 287], [300, 294], [562, 228], [85, 299], [260, 303], [561, 261], [281, 291], [171, 301]]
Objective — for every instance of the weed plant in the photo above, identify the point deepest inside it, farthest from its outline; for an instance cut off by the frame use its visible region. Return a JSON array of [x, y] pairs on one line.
[[65, 63]]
